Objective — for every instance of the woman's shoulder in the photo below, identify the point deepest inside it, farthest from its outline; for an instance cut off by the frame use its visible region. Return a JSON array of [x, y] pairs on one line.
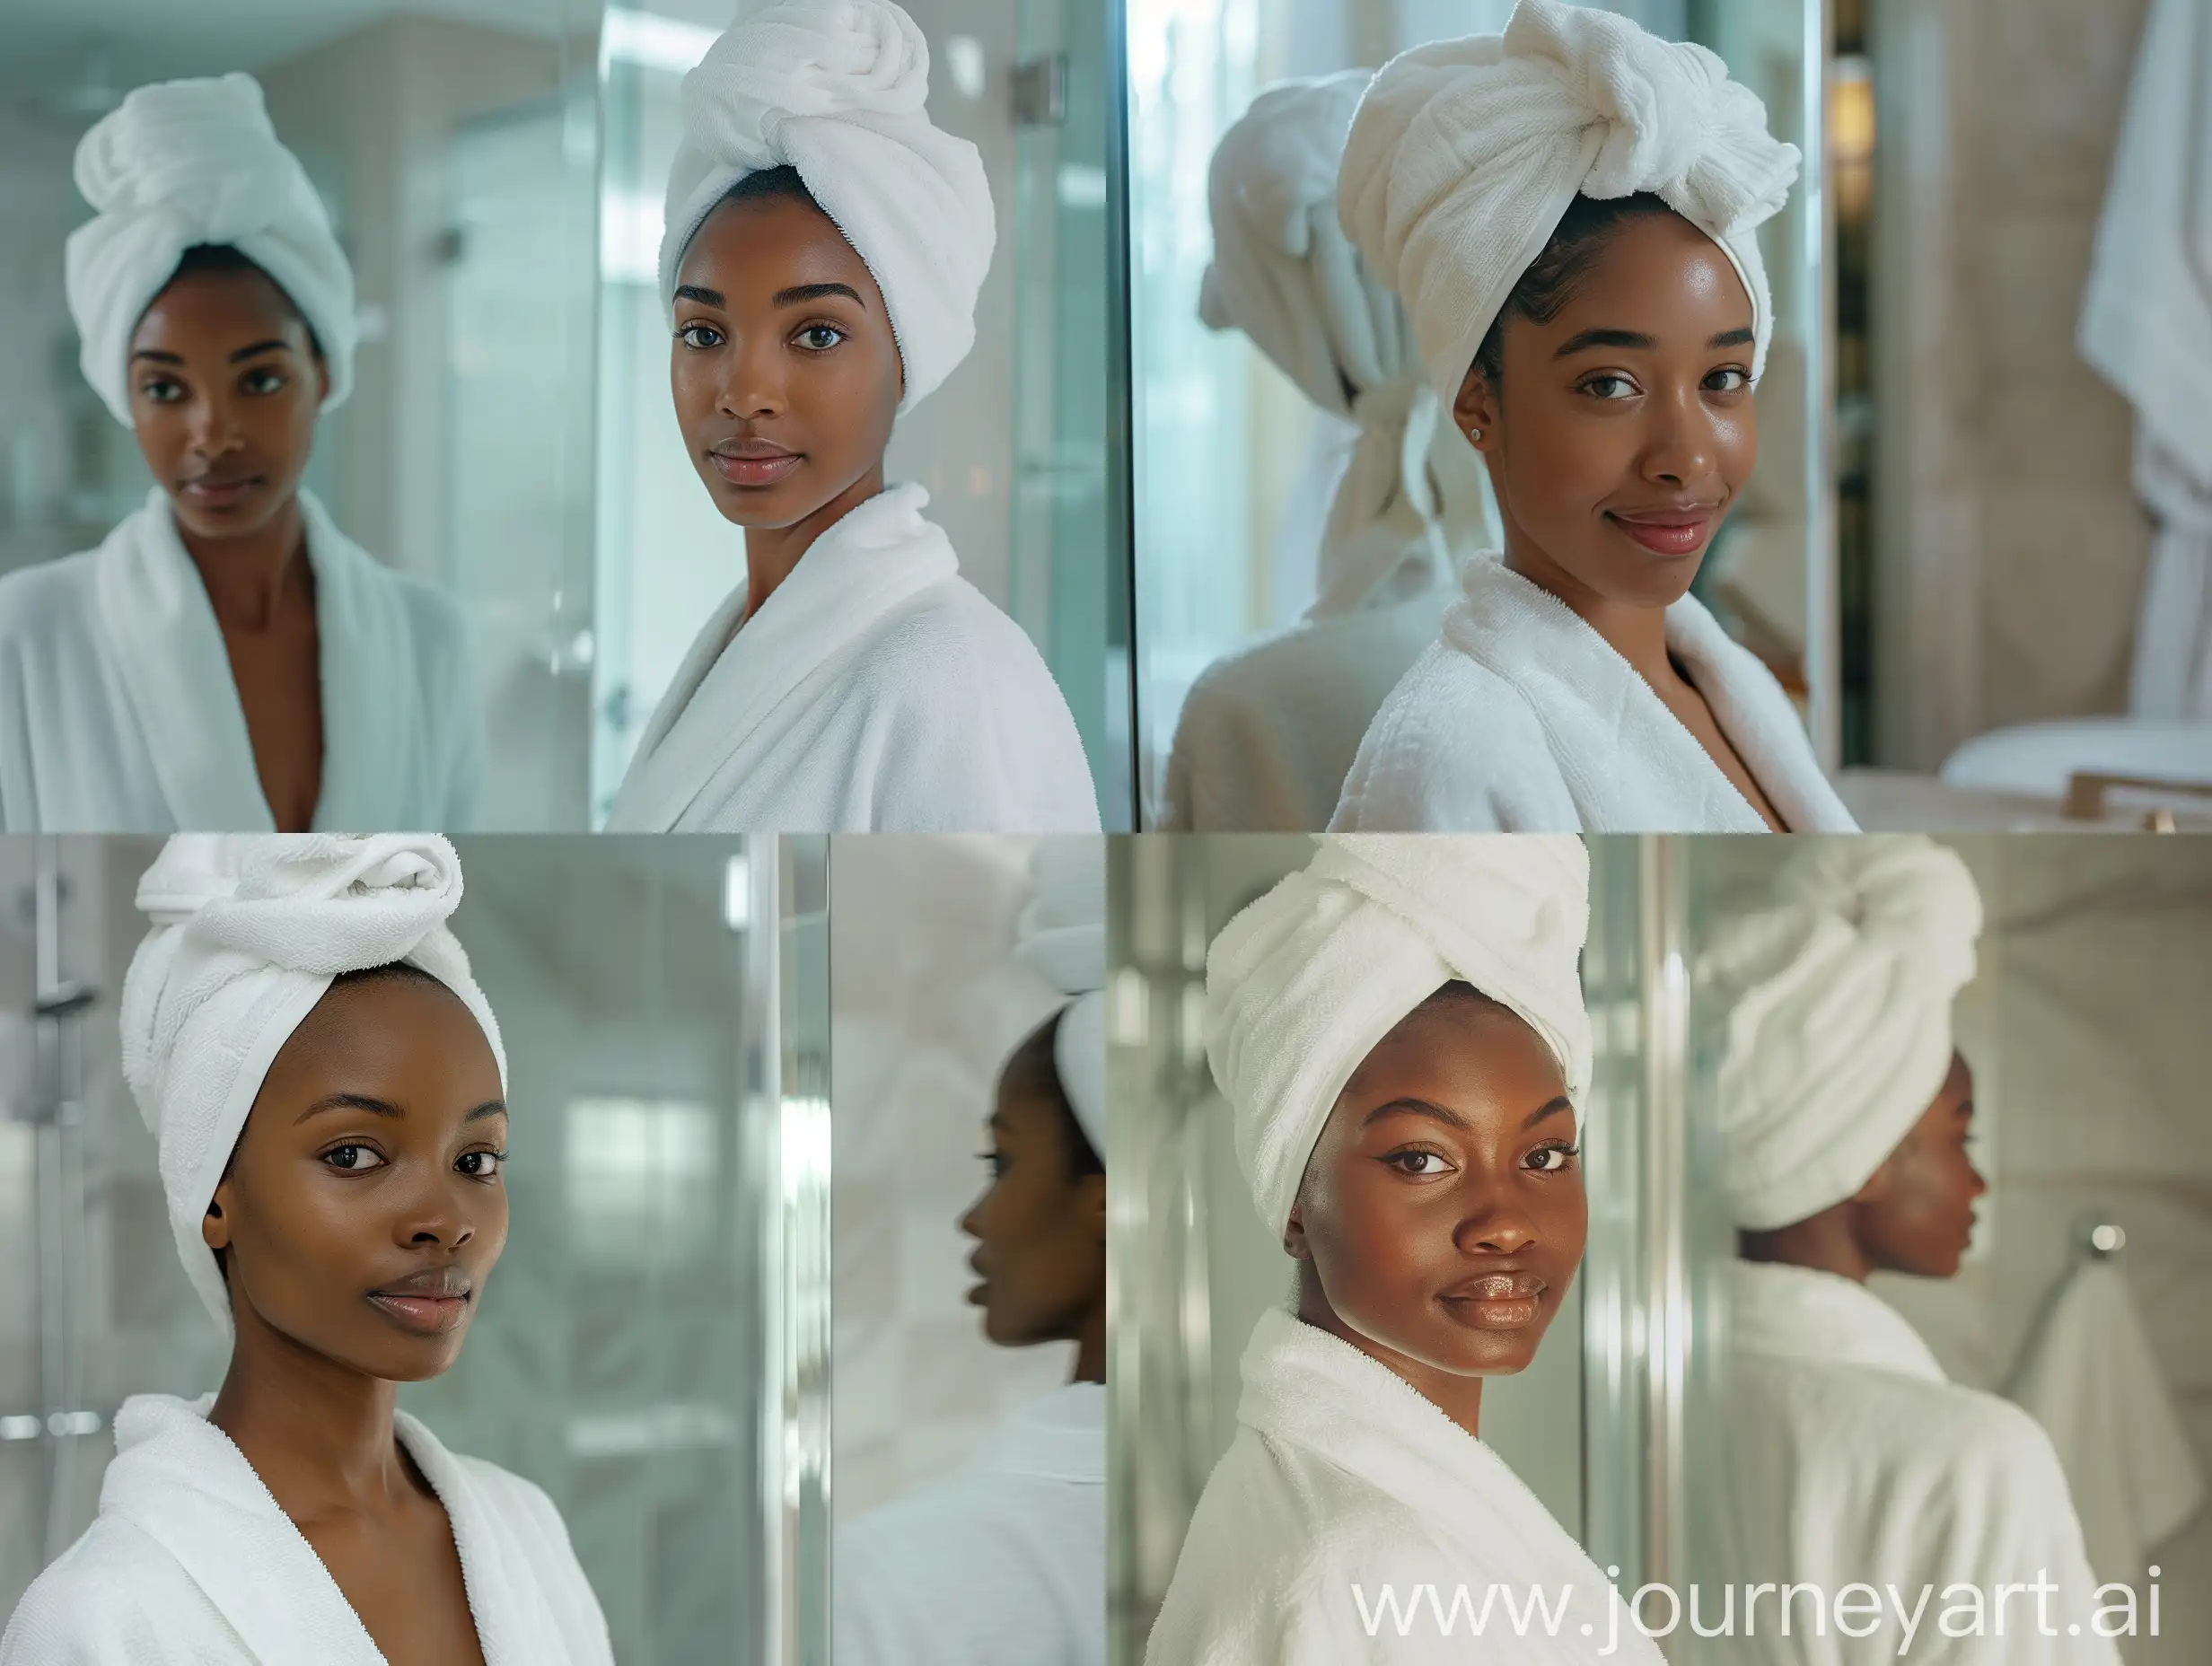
[[47, 596], [114, 1595]]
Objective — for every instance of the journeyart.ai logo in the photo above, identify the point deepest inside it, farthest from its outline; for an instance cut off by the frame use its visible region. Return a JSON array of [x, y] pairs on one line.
[[1856, 1610]]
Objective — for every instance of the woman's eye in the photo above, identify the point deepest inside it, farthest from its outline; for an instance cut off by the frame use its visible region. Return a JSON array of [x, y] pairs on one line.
[[352, 1158], [699, 335], [162, 391], [1421, 1163], [1608, 387], [481, 1165], [821, 337], [992, 1161], [262, 381], [1735, 378], [1552, 1158]]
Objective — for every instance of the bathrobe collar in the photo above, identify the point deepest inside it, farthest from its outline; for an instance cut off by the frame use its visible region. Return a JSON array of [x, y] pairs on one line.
[[176, 675], [179, 1480], [1061, 1437], [1570, 676], [1306, 1388], [874, 560], [1798, 1313]]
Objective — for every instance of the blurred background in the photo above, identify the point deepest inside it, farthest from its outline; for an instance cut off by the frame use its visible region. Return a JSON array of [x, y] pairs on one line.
[[644, 1355], [2085, 1027], [495, 171]]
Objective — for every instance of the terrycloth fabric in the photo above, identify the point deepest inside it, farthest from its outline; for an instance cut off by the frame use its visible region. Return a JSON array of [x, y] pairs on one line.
[[1002, 1562], [1267, 736], [1061, 936], [1303, 984], [247, 933], [1413, 491], [835, 88], [876, 691], [183, 162], [2147, 328], [2090, 1378], [119, 714], [1521, 718], [1466, 153], [1343, 1480], [191, 1562], [1837, 1030], [1849, 1459]]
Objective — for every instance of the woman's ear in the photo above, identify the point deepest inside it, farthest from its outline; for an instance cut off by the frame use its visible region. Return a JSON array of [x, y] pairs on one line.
[[1475, 413], [215, 1226], [1295, 1245]]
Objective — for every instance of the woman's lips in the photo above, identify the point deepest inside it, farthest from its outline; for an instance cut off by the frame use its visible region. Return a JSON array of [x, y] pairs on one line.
[[428, 1316], [222, 494], [1501, 1301], [754, 469], [1670, 532]]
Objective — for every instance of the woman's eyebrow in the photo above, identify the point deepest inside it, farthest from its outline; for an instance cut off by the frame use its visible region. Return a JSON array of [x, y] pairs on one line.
[[1417, 1107], [157, 356], [704, 298], [799, 293], [489, 1108], [350, 1101], [1585, 339], [1551, 1110], [1743, 336], [260, 346]]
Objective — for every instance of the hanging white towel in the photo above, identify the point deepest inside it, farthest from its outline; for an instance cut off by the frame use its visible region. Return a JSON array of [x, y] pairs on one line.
[[1849, 1459], [1002, 1563], [117, 713], [2090, 1378], [1522, 719], [1342, 1479], [191, 1561], [876, 691], [2147, 328]]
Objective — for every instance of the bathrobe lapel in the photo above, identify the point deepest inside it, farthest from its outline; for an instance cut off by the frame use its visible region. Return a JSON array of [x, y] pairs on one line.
[[875, 560], [1614, 740], [167, 650]]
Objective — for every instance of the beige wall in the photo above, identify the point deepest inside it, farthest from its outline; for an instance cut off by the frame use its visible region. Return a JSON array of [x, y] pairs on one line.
[[2009, 548]]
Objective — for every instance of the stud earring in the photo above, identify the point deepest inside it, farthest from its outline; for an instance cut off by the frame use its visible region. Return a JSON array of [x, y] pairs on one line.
[[1474, 433]]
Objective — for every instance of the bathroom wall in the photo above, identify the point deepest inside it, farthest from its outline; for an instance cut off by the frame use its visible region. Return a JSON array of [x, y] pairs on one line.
[[2009, 549], [925, 1004]]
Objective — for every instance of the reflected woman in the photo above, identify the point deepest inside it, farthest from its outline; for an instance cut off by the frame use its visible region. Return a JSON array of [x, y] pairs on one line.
[[228, 660], [1571, 212], [328, 1089], [1400, 1035], [1003, 1562], [825, 245]]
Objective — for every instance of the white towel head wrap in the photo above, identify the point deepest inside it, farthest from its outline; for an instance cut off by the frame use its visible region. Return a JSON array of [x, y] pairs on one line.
[[183, 162], [1838, 1001], [1466, 153], [1061, 936], [1283, 273], [835, 89], [1301, 984], [247, 932]]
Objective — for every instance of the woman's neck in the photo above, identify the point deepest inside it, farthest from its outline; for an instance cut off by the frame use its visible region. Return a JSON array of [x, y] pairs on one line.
[[319, 1434], [1091, 1346], [1824, 1242], [250, 578], [1459, 1398], [772, 552], [1637, 635]]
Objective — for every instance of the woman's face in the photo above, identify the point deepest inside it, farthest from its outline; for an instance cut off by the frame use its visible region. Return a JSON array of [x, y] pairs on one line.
[[1442, 1209], [1040, 1230], [364, 1208], [224, 388], [785, 372], [1917, 1214], [1622, 430]]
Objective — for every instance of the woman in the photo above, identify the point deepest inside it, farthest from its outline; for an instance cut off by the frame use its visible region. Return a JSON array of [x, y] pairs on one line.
[[1005, 1561], [328, 1088], [228, 660], [824, 249], [1268, 734], [1570, 211], [1400, 1032], [1845, 1111]]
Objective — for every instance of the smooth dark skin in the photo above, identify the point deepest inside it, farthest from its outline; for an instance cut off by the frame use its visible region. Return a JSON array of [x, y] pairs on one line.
[[224, 386], [1637, 397], [1915, 1214], [782, 340], [1449, 1156], [326, 1200], [1040, 1235]]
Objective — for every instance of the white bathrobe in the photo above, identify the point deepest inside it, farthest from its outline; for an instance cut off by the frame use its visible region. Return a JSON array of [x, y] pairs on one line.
[[190, 1560], [1847, 1457], [119, 715], [1342, 1476], [876, 691], [1521, 719], [1002, 1562]]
